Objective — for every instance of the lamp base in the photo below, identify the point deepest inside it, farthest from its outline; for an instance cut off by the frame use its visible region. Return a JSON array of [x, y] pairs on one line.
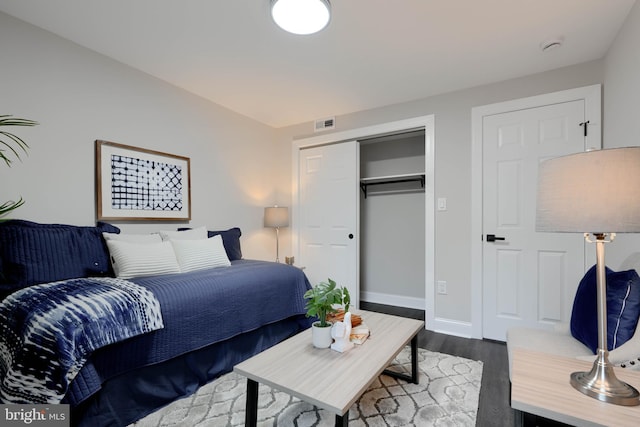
[[601, 383]]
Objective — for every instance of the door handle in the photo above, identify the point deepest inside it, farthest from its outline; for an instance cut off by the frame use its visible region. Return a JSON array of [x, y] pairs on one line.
[[493, 238]]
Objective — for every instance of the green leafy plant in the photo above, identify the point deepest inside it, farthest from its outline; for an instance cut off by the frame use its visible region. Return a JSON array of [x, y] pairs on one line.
[[12, 145], [322, 298]]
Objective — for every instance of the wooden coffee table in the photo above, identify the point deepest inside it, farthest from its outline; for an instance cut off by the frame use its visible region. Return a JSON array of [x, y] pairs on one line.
[[326, 378]]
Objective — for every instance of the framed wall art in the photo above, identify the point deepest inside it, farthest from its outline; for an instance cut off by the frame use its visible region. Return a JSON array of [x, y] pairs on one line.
[[139, 184]]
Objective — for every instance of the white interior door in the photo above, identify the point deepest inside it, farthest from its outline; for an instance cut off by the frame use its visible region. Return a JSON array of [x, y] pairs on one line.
[[529, 278], [328, 214]]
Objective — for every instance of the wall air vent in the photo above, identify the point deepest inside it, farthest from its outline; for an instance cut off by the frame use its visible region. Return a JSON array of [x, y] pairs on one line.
[[324, 124]]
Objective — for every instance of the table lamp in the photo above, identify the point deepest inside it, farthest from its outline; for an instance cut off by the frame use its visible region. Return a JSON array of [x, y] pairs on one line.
[[276, 217], [596, 193]]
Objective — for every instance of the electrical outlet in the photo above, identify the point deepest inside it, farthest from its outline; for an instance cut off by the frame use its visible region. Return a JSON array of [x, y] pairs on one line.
[[442, 287]]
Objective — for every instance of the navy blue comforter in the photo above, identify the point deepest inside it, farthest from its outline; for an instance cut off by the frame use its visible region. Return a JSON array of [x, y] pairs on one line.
[[198, 309]]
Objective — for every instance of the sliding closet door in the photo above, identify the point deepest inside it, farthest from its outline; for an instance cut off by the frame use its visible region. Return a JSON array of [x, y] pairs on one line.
[[328, 214]]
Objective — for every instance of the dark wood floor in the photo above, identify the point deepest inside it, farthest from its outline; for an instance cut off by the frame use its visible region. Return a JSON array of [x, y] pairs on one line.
[[494, 407]]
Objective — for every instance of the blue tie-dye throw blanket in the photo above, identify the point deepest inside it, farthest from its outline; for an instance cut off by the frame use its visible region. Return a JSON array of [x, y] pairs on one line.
[[48, 331]]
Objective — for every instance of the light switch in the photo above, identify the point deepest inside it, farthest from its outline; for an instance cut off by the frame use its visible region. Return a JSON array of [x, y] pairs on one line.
[[442, 287], [442, 204]]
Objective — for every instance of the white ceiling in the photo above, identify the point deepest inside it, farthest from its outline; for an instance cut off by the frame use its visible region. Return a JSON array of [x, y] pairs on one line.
[[373, 53]]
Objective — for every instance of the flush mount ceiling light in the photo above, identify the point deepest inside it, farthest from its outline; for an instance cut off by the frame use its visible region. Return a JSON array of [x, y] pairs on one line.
[[301, 16]]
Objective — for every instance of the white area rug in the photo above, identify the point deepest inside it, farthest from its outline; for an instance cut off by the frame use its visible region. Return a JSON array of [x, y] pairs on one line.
[[446, 396]]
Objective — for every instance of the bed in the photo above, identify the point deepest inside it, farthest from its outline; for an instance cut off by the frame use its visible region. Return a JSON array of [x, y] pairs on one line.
[[212, 318]]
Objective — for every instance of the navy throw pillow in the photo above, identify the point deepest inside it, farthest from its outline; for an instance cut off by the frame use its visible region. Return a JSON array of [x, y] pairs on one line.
[[623, 308], [230, 241], [33, 253]]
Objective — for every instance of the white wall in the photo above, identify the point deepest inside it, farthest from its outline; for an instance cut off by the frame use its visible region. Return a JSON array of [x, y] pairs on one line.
[[622, 85], [79, 96], [622, 110], [453, 165]]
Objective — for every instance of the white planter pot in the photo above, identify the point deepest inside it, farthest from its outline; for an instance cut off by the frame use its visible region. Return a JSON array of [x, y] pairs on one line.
[[321, 337]]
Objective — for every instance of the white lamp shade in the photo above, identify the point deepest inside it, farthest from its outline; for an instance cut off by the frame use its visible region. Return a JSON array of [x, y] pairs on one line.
[[276, 217], [592, 192], [301, 16]]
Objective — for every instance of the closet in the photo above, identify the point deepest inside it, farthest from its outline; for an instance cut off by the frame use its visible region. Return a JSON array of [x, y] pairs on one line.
[[392, 219], [379, 245]]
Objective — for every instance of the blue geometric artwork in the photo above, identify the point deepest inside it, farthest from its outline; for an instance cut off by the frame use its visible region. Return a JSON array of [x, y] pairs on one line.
[[138, 184]]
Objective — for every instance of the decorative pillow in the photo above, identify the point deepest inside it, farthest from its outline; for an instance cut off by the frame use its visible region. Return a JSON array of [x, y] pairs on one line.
[[188, 234], [135, 260], [625, 356], [34, 253], [623, 308], [200, 254], [230, 239], [133, 238]]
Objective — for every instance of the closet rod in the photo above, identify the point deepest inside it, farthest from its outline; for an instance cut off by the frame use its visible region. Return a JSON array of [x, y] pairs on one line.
[[364, 185]]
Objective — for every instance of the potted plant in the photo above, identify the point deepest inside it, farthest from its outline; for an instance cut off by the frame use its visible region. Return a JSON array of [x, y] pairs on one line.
[[321, 300], [14, 144]]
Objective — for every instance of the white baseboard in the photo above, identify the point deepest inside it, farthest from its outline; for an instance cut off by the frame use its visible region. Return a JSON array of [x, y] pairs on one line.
[[440, 324], [396, 300], [451, 327]]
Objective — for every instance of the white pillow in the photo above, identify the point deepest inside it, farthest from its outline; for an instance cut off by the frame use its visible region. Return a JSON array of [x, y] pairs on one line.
[[133, 238], [134, 260], [193, 234], [200, 254]]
